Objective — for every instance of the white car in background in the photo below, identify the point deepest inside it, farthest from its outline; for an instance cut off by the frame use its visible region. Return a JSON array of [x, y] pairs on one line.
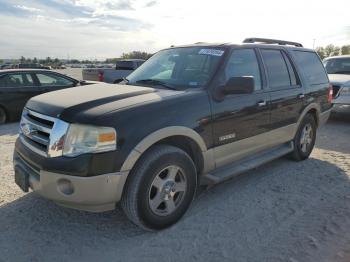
[[338, 69]]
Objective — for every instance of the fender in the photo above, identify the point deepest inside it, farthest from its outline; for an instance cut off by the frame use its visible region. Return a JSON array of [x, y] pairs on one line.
[[306, 110], [158, 135]]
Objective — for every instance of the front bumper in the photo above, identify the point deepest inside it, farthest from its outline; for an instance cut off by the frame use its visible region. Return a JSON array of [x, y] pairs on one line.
[[95, 194]]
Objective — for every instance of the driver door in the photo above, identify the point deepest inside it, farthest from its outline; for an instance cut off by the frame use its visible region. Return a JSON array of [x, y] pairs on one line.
[[238, 120]]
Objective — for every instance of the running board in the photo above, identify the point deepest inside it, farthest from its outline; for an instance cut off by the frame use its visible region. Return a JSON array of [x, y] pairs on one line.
[[245, 164]]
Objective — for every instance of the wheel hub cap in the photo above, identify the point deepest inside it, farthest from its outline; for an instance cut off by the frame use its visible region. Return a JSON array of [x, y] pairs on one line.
[[167, 190], [306, 138]]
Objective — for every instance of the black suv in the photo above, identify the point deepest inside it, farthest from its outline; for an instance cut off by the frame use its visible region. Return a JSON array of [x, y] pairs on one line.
[[190, 115]]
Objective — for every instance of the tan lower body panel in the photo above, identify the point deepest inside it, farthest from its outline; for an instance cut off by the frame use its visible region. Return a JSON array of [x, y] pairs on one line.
[[95, 194], [228, 153]]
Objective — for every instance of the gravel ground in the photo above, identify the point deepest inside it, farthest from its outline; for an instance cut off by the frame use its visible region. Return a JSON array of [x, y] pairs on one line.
[[282, 211]]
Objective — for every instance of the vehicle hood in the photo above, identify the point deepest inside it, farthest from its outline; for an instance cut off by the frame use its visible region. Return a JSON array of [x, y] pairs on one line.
[[339, 79], [91, 101]]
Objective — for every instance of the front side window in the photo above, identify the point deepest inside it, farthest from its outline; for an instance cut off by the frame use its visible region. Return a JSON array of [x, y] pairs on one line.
[[243, 62], [337, 66], [312, 67], [180, 68], [53, 80], [277, 70], [16, 80]]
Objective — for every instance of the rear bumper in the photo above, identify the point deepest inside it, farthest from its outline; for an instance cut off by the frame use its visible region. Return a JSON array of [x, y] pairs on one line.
[[341, 108], [95, 194]]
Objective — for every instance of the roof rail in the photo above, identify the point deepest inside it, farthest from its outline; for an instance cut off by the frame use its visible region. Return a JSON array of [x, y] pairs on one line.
[[271, 41]]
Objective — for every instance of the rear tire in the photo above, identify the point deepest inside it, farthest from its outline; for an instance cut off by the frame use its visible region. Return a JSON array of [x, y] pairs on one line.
[[3, 116], [305, 138], [160, 188]]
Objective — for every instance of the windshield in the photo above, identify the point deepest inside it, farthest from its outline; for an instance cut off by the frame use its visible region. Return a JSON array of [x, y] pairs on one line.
[[337, 65], [180, 68]]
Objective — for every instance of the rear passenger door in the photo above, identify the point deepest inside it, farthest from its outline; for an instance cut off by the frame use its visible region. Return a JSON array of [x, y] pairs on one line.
[[52, 82], [287, 95], [15, 90]]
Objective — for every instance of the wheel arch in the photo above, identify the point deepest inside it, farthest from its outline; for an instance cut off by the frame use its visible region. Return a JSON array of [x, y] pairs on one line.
[[313, 109], [182, 137]]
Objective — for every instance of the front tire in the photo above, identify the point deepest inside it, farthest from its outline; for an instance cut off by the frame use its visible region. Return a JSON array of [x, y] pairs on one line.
[[305, 138], [160, 188]]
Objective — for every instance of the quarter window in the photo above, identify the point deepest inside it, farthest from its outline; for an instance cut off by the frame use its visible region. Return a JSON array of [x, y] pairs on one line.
[[53, 80], [277, 70], [312, 67], [243, 62]]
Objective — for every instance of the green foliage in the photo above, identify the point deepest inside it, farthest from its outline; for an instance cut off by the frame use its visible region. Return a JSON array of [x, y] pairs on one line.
[[136, 55], [345, 50], [332, 50]]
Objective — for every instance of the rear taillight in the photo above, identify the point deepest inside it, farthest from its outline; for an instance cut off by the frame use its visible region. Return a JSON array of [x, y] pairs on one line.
[[330, 94], [100, 77]]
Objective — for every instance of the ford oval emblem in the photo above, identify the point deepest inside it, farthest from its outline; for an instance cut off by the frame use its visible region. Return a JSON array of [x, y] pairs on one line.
[[26, 129]]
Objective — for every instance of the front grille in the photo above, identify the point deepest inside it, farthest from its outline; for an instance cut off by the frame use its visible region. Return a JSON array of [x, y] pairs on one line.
[[335, 91], [35, 130], [42, 134]]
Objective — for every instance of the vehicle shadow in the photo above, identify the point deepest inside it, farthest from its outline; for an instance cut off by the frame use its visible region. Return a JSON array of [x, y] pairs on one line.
[[9, 129], [284, 210], [334, 136]]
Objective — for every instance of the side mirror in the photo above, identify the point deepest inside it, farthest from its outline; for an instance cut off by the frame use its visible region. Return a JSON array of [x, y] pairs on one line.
[[239, 85]]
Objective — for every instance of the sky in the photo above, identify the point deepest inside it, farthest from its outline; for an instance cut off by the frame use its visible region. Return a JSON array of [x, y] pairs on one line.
[[99, 29]]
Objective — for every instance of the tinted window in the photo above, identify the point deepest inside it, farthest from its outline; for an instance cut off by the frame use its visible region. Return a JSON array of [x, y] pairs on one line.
[[53, 80], [243, 62], [17, 80], [277, 70], [337, 65], [124, 65], [312, 67]]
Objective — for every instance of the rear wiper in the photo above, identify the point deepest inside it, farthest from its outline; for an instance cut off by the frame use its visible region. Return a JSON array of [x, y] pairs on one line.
[[155, 82]]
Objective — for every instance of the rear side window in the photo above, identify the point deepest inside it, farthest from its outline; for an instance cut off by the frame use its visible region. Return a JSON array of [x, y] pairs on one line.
[[312, 67], [53, 80], [277, 69], [124, 65]]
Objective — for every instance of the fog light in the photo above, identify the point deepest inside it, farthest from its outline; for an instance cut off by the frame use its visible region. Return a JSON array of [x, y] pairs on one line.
[[65, 186]]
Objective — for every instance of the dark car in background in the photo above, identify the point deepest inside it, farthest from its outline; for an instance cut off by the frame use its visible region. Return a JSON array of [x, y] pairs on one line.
[[338, 69], [19, 85]]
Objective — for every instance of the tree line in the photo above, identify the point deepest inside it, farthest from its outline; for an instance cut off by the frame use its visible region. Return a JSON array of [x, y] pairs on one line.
[[56, 61], [332, 50]]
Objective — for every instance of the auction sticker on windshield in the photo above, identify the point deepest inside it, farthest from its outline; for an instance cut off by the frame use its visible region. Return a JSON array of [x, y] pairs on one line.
[[214, 52]]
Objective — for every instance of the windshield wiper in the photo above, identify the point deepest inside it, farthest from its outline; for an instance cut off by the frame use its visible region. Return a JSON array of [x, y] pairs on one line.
[[155, 82]]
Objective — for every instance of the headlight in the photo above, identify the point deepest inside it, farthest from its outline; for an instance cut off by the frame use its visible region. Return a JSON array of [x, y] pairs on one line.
[[82, 139], [345, 90]]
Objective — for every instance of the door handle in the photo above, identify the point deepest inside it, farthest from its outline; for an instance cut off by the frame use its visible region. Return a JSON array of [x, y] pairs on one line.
[[262, 103], [301, 96]]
